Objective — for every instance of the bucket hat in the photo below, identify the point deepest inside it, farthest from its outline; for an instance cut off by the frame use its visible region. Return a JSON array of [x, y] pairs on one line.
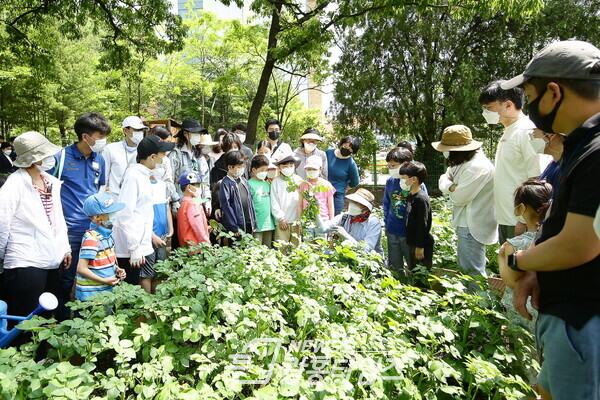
[[362, 196], [32, 147], [457, 138]]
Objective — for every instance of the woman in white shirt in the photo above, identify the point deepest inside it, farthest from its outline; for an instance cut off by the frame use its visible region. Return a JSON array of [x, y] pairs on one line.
[[33, 232], [469, 180]]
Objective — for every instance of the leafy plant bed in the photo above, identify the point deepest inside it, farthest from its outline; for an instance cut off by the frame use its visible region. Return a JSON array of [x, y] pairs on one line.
[[250, 323]]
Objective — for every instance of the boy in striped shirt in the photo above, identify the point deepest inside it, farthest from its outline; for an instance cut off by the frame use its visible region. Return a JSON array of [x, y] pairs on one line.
[[97, 269]]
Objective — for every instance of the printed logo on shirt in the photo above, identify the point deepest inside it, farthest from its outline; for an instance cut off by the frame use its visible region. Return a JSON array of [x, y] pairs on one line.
[[398, 202]]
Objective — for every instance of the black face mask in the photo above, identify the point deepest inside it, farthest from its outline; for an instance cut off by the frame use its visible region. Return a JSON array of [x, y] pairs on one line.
[[345, 152], [274, 135], [543, 122]]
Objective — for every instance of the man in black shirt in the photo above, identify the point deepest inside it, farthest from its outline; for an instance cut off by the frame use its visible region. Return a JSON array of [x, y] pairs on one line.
[[562, 272]]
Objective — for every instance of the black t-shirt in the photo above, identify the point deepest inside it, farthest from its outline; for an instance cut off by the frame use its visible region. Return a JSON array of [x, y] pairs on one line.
[[574, 294], [244, 198], [418, 220]]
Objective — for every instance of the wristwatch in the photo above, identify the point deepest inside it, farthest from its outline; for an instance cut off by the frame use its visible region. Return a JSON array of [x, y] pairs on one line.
[[512, 262]]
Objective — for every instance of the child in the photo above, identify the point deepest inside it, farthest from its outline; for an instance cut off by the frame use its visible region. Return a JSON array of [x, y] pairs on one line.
[[133, 230], [192, 227], [264, 148], [284, 203], [237, 205], [394, 212], [322, 191], [261, 194], [418, 215], [162, 227], [97, 269], [272, 171]]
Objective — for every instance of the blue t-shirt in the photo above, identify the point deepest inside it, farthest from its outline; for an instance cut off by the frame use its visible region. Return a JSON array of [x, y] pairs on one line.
[[341, 172], [160, 226], [394, 208], [82, 177]]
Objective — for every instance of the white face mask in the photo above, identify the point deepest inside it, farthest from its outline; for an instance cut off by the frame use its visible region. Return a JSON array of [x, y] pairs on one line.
[[538, 144], [158, 172], [261, 175], [48, 163], [8, 152], [193, 190], [205, 150], [194, 139], [236, 173], [520, 218], [354, 209], [272, 173], [289, 171], [242, 137], [446, 154], [404, 186], [491, 117], [310, 147], [99, 145], [312, 173], [395, 172], [137, 136]]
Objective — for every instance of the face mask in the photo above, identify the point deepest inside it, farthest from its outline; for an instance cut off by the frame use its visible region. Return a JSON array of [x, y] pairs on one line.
[[158, 172], [289, 171], [271, 174], [110, 222], [8, 152], [274, 135], [261, 175], [205, 150], [404, 186], [48, 163], [543, 122], [395, 172], [354, 209], [491, 117], [345, 152], [520, 218], [242, 137], [312, 174], [538, 144], [236, 173], [195, 139], [446, 154], [136, 137], [310, 147], [98, 146], [193, 190]]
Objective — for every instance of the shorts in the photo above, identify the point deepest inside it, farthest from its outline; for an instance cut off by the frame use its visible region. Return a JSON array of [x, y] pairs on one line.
[[570, 358], [147, 271]]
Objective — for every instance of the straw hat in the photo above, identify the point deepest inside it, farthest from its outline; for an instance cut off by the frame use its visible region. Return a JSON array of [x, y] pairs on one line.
[[362, 196], [32, 147], [206, 140], [457, 138]]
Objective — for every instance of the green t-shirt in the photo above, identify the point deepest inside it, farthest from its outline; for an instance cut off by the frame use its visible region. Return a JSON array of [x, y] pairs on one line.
[[261, 193]]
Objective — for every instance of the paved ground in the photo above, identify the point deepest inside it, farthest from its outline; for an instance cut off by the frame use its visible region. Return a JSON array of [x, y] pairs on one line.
[[368, 179]]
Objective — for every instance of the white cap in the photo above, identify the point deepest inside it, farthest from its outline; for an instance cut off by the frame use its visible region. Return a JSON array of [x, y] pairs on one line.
[[133, 122]]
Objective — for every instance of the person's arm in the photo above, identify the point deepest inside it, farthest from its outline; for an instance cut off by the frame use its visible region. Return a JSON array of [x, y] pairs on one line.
[[330, 205], [353, 177], [61, 235], [372, 233], [83, 270], [386, 198], [195, 219], [561, 251], [509, 277], [131, 225], [420, 214], [8, 208], [170, 228], [472, 181], [446, 181], [276, 209], [174, 156], [107, 155], [228, 218]]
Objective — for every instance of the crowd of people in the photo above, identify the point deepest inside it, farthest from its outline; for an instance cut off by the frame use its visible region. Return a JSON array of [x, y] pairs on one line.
[[78, 220]]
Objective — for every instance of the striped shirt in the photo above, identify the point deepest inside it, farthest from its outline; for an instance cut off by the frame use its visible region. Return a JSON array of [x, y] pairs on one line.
[[98, 247], [46, 196]]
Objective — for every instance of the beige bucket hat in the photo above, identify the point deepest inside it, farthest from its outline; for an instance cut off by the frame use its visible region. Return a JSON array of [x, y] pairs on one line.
[[362, 196], [32, 147], [457, 138]]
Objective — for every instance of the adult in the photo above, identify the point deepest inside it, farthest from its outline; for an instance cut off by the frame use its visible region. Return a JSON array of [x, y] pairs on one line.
[[120, 155], [13, 155], [240, 130], [554, 148], [33, 233], [358, 224], [309, 141], [206, 146], [343, 172], [164, 172], [280, 149], [82, 170], [562, 271], [217, 151], [469, 181], [186, 157], [517, 156], [229, 142], [6, 162]]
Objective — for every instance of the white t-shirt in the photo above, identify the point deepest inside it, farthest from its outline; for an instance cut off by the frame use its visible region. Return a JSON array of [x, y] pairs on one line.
[[516, 161], [118, 157]]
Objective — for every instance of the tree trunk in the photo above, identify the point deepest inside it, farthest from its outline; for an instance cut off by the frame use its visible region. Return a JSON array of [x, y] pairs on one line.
[[263, 84], [63, 134]]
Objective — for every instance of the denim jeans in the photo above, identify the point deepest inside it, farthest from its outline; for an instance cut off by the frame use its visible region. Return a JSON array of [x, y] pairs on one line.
[[398, 253], [338, 202], [471, 253], [67, 278]]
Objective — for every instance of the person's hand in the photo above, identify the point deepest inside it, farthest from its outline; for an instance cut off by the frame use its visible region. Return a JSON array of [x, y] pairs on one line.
[[112, 281], [121, 274], [218, 215], [526, 287], [158, 242], [207, 209], [136, 259], [66, 262], [340, 231], [419, 253], [283, 225]]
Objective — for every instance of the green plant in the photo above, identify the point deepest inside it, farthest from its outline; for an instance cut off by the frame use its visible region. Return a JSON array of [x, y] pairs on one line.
[[247, 322]]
